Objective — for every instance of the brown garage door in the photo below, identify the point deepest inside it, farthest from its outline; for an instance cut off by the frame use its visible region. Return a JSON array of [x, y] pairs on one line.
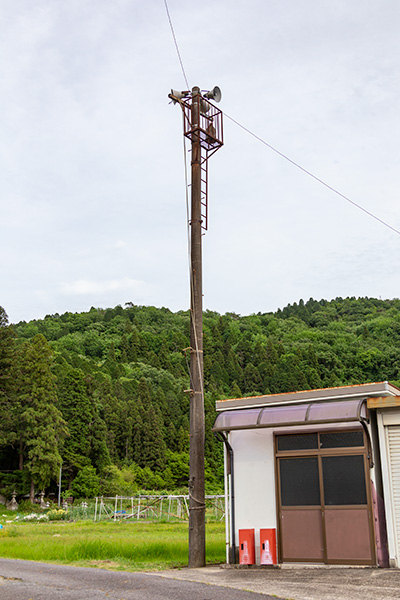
[[323, 498]]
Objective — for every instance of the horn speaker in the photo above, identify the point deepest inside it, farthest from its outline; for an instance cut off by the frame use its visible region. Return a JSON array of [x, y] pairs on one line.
[[178, 95], [215, 94]]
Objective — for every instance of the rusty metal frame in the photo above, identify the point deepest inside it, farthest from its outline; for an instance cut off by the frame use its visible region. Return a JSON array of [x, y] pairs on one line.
[[210, 128], [209, 132]]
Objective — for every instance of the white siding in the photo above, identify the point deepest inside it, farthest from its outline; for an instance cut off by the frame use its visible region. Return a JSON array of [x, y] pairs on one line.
[[393, 432]]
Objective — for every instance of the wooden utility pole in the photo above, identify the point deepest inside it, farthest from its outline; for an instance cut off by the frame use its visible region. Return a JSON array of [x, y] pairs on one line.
[[202, 123], [197, 530]]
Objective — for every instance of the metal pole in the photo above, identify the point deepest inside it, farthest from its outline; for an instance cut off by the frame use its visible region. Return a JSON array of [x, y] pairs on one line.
[[197, 554], [59, 487], [226, 489]]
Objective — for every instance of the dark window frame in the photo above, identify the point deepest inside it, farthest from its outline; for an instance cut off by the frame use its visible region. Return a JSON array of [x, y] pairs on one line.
[[320, 449]]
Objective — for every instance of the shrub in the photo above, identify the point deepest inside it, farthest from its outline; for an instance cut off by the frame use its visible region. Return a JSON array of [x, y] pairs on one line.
[[118, 482], [25, 506], [86, 484], [146, 479]]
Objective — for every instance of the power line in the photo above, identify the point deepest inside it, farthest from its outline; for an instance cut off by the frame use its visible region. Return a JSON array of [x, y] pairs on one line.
[[186, 188], [190, 257], [332, 189], [291, 161], [176, 46]]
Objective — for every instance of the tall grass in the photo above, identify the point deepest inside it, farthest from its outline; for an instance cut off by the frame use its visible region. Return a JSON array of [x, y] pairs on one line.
[[132, 546]]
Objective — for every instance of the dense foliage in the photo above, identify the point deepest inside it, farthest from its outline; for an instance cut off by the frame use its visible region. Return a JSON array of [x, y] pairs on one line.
[[105, 390]]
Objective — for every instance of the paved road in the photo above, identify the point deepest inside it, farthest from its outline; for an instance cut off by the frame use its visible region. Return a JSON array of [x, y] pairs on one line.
[[25, 580], [303, 582]]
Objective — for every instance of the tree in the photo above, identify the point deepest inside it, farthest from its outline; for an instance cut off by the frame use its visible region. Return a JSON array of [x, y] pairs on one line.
[[86, 484], [252, 379], [111, 364], [42, 427], [153, 445], [99, 454], [235, 390], [134, 345], [8, 404], [77, 411], [178, 468], [7, 336], [128, 401]]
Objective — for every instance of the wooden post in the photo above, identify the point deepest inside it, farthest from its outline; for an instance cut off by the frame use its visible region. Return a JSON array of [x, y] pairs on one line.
[[197, 555]]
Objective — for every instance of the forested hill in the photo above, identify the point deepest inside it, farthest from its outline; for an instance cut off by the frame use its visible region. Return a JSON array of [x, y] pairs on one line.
[[116, 390]]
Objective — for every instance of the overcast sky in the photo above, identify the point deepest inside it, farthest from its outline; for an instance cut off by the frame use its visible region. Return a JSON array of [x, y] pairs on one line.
[[93, 206]]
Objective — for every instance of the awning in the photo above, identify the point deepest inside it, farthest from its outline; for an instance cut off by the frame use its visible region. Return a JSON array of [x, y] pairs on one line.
[[310, 413]]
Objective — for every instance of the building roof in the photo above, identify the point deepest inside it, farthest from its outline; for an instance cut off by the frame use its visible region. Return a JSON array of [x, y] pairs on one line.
[[365, 390]]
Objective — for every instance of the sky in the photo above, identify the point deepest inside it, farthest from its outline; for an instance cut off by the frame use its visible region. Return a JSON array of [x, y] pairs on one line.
[[92, 179]]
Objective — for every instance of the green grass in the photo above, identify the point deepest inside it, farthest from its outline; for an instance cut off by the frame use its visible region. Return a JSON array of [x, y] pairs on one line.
[[128, 545]]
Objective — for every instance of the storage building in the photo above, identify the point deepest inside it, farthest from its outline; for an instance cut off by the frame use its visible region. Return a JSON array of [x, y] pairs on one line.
[[313, 476]]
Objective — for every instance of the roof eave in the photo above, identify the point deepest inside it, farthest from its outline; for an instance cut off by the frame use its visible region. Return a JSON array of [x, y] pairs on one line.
[[366, 390]]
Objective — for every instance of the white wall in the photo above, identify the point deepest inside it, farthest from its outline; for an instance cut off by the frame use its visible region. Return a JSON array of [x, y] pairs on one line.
[[254, 475]]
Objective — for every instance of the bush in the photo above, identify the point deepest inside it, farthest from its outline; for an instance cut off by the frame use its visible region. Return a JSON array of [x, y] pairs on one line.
[[86, 484], [147, 479], [26, 506], [118, 482]]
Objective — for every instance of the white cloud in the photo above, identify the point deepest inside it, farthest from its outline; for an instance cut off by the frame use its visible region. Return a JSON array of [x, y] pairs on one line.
[[91, 175], [82, 287], [120, 244]]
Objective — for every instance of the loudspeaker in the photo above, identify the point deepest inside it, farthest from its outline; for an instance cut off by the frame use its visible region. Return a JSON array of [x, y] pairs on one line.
[[178, 95], [204, 106], [215, 94]]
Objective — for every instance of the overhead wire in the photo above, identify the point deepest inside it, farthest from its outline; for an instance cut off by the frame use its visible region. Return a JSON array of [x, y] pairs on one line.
[[307, 172], [200, 503], [185, 151], [176, 45], [281, 154]]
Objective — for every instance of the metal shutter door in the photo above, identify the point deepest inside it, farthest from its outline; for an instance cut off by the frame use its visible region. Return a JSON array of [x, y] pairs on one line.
[[394, 451]]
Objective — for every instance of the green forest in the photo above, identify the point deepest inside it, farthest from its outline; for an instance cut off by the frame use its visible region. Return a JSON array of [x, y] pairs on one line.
[[102, 393]]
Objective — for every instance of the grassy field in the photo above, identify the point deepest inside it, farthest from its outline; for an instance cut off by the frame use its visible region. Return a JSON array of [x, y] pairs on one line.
[[130, 546]]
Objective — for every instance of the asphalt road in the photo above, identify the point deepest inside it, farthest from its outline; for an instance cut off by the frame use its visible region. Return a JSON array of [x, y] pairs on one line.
[[26, 580], [302, 582]]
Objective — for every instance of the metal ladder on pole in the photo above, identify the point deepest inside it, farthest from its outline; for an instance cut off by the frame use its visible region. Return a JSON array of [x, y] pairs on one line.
[[204, 193]]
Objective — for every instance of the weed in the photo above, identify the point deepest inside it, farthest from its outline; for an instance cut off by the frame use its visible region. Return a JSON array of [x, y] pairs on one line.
[[10, 532], [128, 545]]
